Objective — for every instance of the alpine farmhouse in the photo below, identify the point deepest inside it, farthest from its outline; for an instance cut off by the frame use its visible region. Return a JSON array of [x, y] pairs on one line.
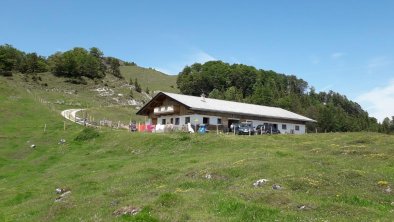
[[178, 110]]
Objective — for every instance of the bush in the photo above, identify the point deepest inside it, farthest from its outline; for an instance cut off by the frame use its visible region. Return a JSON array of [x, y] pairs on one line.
[[87, 134]]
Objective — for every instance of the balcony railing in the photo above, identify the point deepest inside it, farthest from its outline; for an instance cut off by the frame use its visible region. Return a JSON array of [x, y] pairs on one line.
[[164, 110]]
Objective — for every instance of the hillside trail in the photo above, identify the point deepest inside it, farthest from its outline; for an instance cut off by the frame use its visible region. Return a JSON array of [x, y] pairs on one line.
[[70, 114]]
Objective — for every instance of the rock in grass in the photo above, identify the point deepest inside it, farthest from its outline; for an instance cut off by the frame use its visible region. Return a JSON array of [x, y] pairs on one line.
[[33, 146], [303, 207], [277, 187], [62, 141], [62, 196], [61, 190], [127, 210], [260, 182]]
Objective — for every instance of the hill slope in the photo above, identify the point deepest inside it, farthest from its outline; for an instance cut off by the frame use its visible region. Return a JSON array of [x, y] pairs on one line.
[[104, 99], [183, 177], [151, 78]]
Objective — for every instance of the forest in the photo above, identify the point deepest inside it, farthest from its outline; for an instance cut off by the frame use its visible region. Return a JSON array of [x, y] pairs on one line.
[[237, 82]]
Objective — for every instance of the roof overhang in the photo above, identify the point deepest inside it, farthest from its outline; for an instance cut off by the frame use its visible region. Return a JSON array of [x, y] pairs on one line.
[[248, 114]]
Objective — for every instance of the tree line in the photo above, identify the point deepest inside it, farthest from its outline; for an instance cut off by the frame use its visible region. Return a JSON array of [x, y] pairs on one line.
[[75, 63], [237, 82]]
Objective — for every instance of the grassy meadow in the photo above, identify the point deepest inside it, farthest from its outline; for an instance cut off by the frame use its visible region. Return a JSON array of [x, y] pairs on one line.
[[184, 177]]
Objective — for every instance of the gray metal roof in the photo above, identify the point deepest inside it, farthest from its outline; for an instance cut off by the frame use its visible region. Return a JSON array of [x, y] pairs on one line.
[[216, 105]]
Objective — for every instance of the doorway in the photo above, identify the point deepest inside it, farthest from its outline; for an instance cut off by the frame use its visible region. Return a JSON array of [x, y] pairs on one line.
[[232, 121]]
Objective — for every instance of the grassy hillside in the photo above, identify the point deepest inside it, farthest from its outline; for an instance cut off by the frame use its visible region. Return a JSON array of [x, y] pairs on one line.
[[104, 99], [183, 177], [155, 80]]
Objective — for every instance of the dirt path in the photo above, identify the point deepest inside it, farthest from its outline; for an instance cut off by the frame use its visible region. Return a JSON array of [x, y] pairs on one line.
[[70, 114]]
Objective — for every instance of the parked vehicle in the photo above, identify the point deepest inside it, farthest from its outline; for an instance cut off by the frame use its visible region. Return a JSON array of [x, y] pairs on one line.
[[244, 129], [273, 131], [260, 129], [267, 129]]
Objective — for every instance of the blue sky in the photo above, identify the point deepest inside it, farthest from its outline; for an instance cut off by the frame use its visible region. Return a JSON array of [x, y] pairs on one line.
[[346, 46]]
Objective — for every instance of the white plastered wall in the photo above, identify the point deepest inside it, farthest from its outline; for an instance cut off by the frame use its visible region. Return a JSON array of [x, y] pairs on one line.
[[213, 120]]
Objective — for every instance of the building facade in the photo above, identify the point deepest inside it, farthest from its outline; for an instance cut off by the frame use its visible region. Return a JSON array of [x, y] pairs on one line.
[[179, 110]]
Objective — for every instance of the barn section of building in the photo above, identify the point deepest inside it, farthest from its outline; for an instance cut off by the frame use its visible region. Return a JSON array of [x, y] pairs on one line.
[[178, 110]]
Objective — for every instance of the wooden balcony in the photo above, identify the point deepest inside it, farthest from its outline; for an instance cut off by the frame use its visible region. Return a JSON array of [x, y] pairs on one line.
[[164, 110]]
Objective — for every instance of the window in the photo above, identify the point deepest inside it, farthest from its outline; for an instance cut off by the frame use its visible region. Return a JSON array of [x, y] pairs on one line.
[[176, 121], [297, 127], [163, 121], [284, 126], [172, 120], [187, 120], [205, 120], [219, 121]]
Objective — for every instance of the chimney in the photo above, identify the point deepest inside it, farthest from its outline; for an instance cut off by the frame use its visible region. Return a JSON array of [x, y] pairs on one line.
[[203, 97]]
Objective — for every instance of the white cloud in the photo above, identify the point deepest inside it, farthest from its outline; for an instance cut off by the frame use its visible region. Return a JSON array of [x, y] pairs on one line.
[[337, 55], [198, 56], [380, 101]]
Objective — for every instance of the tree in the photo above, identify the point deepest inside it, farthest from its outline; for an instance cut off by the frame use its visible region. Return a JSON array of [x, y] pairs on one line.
[[386, 125], [137, 86], [262, 95], [114, 65], [76, 63], [147, 90], [392, 124], [97, 53], [233, 94], [130, 81], [10, 59], [32, 63], [216, 94]]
